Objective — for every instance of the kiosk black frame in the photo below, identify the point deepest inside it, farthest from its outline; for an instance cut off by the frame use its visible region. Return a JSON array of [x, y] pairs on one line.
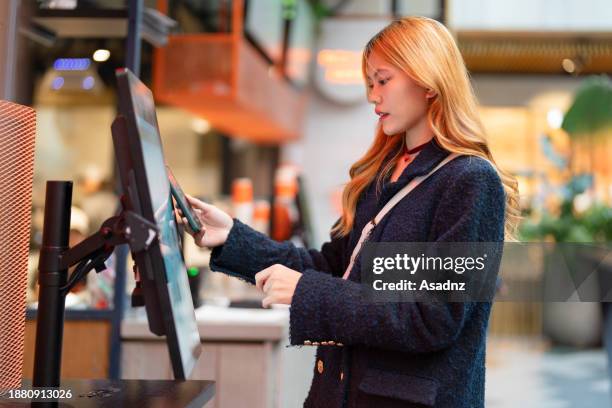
[[162, 279]]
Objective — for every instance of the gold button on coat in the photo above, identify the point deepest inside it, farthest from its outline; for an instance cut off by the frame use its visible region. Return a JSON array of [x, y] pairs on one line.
[[331, 343], [320, 366], [315, 343], [308, 342], [324, 343], [341, 375]]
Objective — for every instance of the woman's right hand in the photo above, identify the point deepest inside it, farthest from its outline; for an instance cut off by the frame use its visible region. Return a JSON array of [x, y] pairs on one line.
[[216, 224]]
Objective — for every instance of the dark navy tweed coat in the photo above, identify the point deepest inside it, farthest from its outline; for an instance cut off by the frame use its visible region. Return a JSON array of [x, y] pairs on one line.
[[394, 354]]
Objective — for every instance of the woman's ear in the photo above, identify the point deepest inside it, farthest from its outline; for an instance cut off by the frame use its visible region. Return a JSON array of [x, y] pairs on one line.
[[430, 93]]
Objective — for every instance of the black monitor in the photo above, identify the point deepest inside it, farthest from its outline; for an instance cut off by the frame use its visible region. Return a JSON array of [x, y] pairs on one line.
[[146, 191]]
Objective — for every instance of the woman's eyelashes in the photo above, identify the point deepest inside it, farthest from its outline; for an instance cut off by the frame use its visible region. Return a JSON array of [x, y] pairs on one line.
[[380, 82]]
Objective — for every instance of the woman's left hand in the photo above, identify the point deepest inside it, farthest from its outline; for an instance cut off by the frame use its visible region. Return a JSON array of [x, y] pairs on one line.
[[278, 283]]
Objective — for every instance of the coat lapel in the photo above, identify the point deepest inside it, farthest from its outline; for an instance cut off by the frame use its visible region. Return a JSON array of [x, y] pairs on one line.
[[425, 161]]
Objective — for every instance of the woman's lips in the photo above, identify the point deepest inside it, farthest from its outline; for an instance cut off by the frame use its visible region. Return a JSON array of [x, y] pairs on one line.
[[382, 116]]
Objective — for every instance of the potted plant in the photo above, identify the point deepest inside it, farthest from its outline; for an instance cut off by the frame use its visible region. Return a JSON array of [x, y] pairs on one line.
[[578, 219], [573, 323]]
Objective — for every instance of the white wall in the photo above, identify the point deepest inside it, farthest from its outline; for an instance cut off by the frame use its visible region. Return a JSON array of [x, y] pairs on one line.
[[335, 136], [531, 15]]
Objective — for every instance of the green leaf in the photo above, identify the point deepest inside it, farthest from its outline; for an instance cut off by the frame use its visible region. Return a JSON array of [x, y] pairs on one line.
[[591, 110]]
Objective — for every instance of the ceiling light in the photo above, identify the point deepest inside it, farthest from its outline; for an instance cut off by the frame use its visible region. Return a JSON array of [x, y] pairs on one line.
[[71, 64], [88, 82], [568, 65], [101, 55], [57, 83], [554, 118], [200, 125]]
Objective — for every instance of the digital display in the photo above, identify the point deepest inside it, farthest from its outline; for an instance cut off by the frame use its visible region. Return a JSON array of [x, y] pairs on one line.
[[176, 272], [167, 293]]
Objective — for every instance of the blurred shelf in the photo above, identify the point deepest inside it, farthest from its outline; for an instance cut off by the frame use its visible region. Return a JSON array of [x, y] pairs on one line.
[[92, 22], [536, 52], [84, 23], [222, 78]]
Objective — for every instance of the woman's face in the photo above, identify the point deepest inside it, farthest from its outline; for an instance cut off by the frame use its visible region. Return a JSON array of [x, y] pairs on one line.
[[399, 102]]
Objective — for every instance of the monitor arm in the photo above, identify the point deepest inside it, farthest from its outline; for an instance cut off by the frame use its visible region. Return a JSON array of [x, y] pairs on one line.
[[55, 259], [125, 228]]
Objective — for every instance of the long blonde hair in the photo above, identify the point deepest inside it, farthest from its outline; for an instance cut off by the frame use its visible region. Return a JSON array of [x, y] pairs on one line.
[[426, 51]]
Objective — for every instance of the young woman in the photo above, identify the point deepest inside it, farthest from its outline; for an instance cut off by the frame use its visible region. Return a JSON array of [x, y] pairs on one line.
[[390, 354]]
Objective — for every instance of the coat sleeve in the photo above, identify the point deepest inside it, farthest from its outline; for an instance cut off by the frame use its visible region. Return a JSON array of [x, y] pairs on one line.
[[247, 252], [328, 308]]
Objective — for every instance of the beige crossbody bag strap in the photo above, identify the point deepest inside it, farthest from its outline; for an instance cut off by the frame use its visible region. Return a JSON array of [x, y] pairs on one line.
[[365, 233]]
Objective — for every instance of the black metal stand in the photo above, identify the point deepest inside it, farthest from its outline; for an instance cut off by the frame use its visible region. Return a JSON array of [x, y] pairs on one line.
[[56, 258]]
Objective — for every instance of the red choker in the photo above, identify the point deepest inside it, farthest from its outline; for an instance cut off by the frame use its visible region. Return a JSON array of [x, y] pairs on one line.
[[416, 149]]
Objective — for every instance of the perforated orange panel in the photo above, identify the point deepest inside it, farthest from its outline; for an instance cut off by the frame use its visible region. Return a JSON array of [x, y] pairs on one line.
[[17, 135]]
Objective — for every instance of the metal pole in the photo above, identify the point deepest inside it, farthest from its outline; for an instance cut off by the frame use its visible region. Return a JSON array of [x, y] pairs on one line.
[[135, 9], [114, 368], [133, 46], [51, 303], [394, 9], [8, 48], [443, 17]]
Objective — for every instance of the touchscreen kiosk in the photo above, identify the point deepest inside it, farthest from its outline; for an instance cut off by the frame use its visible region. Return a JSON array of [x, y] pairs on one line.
[[146, 190]]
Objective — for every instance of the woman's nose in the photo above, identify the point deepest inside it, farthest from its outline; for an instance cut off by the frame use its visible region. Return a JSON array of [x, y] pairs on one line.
[[374, 98]]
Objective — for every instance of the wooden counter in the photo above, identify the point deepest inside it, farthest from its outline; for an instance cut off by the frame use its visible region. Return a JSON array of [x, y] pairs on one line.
[[244, 350]]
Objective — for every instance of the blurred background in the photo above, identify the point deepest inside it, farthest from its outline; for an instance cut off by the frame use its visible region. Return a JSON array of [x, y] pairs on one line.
[[262, 110]]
